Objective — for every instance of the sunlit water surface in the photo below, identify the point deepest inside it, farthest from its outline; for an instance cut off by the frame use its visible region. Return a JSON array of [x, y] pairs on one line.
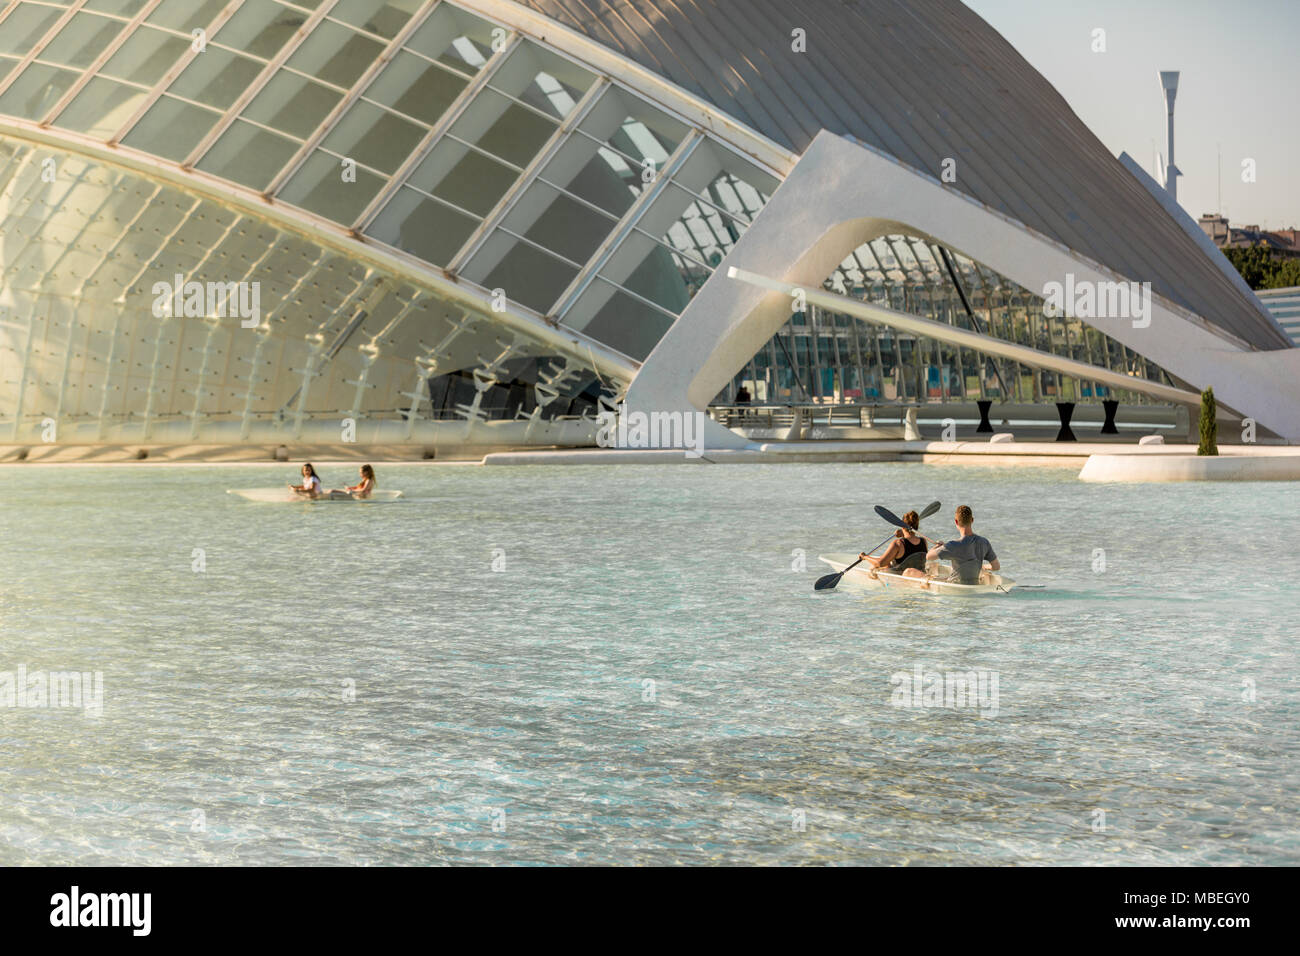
[[648, 676]]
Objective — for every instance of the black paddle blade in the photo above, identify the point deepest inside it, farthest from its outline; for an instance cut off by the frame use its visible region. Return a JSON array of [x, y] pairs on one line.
[[898, 522], [889, 516], [828, 581]]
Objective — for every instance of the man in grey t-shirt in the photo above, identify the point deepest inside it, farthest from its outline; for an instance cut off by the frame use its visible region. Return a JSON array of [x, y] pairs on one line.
[[968, 553]]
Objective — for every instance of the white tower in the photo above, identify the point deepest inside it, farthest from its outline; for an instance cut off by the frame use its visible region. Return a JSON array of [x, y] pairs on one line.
[[1169, 83]]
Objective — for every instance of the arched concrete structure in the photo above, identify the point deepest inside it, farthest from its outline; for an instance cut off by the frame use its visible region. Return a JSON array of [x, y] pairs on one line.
[[842, 194]]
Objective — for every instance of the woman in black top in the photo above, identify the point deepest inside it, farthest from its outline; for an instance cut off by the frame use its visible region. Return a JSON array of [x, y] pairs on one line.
[[905, 552]]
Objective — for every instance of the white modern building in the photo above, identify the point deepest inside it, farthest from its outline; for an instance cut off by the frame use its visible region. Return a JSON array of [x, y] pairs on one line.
[[465, 225]]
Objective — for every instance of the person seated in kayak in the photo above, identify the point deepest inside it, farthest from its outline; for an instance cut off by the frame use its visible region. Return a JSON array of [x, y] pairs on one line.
[[905, 553], [311, 486], [968, 553], [361, 489]]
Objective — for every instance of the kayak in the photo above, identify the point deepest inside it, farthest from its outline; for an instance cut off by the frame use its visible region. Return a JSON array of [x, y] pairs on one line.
[[936, 583], [285, 496]]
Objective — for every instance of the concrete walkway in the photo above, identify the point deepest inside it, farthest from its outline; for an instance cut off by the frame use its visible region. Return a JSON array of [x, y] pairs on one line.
[[1059, 454], [1093, 461]]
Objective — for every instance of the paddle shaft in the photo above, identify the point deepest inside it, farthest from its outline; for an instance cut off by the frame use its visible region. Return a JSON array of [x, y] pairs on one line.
[[834, 580], [860, 560]]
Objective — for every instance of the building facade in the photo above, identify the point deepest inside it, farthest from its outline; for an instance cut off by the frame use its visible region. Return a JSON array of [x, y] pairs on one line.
[[472, 224], [1281, 243]]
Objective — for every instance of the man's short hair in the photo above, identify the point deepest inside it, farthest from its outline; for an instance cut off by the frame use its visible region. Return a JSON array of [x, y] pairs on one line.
[[964, 516]]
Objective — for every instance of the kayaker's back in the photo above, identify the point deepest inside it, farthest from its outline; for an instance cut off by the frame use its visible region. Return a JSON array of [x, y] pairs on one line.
[[913, 556], [968, 556]]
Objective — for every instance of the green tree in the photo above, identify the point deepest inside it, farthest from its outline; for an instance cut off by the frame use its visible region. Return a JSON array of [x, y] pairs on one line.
[[1285, 275], [1209, 425], [1261, 269], [1255, 264]]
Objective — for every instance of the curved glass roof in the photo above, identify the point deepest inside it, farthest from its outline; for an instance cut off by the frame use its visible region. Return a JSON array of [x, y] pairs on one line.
[[86, 341], [413, 123], [923, 81]]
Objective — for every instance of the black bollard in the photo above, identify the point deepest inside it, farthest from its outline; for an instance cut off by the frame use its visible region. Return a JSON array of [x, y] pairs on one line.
[[1066, 411], [1111, 406]]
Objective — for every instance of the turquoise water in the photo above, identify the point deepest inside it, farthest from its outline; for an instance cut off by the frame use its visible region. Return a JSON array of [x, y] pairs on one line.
[[505, 716]]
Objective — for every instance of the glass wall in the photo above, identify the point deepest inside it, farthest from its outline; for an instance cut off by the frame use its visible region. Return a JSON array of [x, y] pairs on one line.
[[425, 127], [826, 357]]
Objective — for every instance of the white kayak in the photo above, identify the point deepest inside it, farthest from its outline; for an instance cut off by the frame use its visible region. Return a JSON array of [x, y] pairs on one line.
[[285, 496], [935, 582]]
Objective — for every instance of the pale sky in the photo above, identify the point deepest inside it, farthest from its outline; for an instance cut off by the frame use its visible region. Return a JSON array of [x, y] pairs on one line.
[[1239, 92]]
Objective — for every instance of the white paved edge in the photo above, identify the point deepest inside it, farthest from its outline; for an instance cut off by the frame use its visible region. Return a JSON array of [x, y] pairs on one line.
[[1164, 468]]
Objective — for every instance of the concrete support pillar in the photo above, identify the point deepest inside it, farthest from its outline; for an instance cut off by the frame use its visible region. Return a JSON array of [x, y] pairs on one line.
[[910, 430], [796, 427]]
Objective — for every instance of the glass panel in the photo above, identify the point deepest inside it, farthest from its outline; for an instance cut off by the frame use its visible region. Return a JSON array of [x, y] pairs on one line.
[[454, 38], [416, 87], [35, 90], [643, 134], [542, 79], [639, 140], [186, 15], [454, 172], [378, 16], [740, 197], [24, 27], [6, 65], [559, 223], [725, 180], [292, 103], [422, 227], [100, 108], [248, 155], [503, 128], [599, 176], [145, 56], [123, 8], [260, 28], [649, 270], [618, 320], [320, 187], [82, 38], [373, 137], [171, 128], [335, 54], [216, 78], [528, 275], [696, 228]]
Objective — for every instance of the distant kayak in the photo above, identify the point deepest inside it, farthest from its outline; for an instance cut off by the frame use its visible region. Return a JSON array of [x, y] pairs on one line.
[[283, 496], [990, 581]]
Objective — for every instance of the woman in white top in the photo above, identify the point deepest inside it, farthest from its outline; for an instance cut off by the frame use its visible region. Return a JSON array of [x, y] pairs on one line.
[[311, 486]]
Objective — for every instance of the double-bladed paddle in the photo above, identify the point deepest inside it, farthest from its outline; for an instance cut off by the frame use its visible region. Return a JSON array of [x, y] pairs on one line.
[[829, 581]]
